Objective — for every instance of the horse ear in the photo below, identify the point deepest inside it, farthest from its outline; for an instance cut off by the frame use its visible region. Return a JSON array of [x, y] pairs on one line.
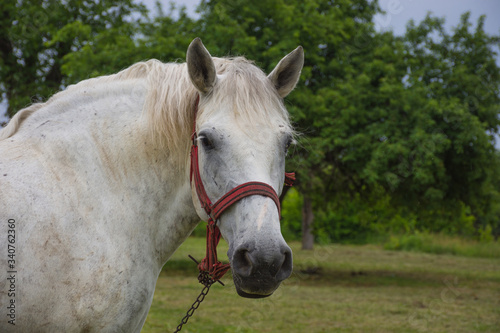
[[286, 74], [200, 66]]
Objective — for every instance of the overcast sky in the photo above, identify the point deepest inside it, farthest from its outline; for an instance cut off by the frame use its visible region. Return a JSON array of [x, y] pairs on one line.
[[398, 13]]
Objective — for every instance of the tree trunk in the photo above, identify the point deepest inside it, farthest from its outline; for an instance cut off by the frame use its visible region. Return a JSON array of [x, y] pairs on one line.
[[307, 221]]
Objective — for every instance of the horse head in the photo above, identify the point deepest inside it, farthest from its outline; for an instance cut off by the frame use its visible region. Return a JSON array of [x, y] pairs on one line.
[[243, 133]]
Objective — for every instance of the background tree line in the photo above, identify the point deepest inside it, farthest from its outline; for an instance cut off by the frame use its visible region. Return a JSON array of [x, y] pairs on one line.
[[398, 132]]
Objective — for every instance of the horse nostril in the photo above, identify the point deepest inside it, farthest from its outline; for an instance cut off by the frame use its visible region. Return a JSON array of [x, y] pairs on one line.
[[286, 267], [243, 263], [246, 263]]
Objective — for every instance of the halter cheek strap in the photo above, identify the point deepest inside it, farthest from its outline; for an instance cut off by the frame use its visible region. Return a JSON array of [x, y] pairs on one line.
[[210, 265]]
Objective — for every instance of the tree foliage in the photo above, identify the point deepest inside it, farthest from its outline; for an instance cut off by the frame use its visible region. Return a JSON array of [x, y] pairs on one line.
[[161, 37], [435, 150], [35, 36]]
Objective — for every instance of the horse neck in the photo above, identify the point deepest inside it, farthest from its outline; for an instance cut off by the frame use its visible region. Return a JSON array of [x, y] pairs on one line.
[[110, 148]]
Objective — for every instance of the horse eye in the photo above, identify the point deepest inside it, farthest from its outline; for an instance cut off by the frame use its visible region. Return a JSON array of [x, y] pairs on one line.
[[206, 143], [288, 144]]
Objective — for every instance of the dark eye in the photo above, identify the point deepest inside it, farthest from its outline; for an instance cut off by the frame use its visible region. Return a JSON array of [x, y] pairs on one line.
[[206, 143], [289, 142]]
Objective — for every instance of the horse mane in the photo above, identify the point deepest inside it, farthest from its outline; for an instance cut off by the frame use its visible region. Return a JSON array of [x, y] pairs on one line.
[[171, 97]]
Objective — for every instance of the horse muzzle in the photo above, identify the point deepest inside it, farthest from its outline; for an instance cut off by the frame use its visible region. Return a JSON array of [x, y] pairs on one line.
[[257, 273]]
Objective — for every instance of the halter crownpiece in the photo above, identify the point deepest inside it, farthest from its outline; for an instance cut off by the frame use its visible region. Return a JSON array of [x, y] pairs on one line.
[[210, 265]]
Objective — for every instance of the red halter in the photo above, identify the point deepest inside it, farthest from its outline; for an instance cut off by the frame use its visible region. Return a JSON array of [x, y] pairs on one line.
[[210, 264]]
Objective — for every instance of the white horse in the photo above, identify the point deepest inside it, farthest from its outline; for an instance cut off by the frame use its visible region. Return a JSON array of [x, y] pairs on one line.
[[95, 193]]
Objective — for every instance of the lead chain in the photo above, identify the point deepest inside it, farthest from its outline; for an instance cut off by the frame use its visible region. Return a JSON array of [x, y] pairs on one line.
[[205, 279], [207, 282]]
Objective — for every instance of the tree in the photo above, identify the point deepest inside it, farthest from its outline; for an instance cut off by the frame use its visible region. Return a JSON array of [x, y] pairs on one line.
[[162, 37], [36, 35], [438, 154]]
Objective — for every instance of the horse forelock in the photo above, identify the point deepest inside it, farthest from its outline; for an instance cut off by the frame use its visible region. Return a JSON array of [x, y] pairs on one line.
[[247, 93]]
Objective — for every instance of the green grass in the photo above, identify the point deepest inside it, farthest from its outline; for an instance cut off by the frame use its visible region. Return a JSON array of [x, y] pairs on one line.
[[443, 244], [339, 288]]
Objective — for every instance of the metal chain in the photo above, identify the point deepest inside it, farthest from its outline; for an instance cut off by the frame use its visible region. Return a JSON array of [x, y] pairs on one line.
[[205, 279], [195, 306]]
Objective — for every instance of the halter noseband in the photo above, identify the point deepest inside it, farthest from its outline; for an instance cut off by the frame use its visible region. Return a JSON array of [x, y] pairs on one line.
[[210, 265]]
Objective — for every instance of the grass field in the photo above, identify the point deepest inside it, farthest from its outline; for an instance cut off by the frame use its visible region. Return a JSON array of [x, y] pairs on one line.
[[339, 288]]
